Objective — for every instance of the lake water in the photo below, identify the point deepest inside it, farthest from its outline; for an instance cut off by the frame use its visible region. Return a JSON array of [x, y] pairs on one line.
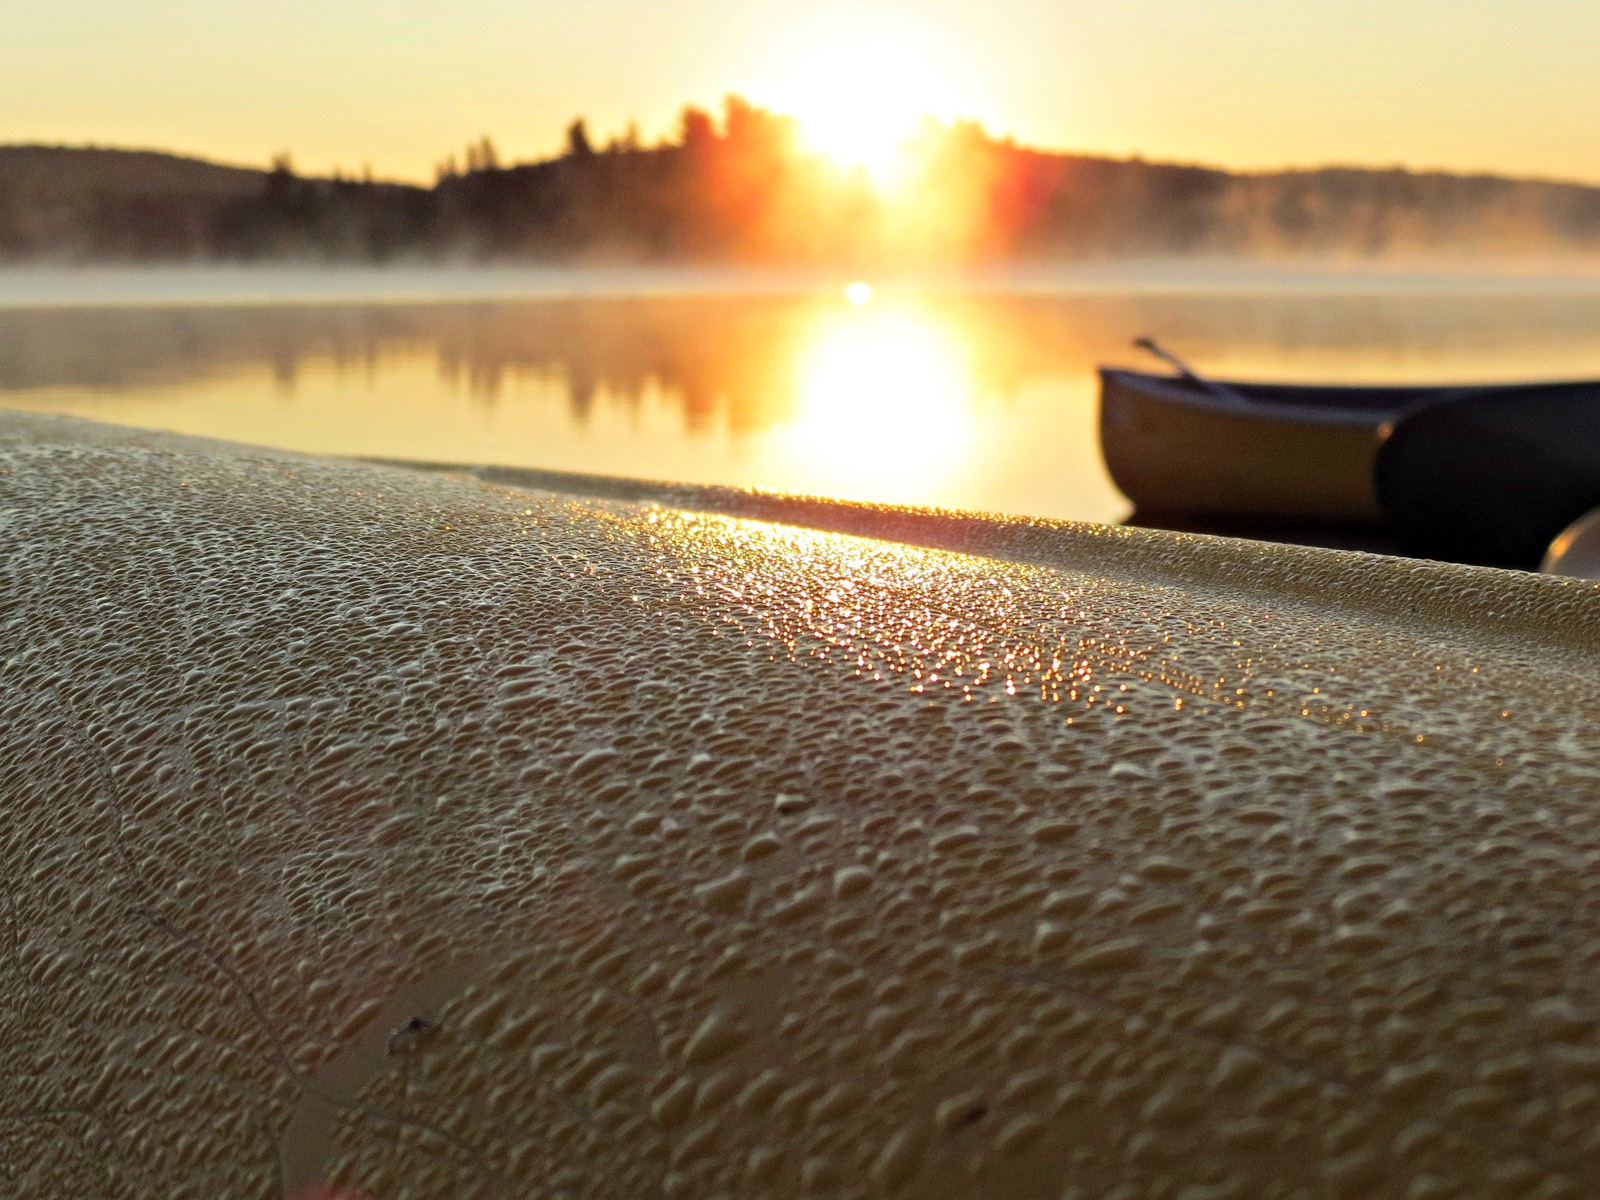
[[973, 397]]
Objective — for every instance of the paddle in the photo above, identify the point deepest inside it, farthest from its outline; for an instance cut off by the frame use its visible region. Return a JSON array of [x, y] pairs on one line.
[[1492, 478], [1221, 390]]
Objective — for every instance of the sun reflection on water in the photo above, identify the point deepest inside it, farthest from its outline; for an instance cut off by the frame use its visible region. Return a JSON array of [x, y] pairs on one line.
[[885, 404]]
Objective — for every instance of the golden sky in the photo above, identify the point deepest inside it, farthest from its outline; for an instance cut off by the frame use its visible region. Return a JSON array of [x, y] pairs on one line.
[[1461, 84]]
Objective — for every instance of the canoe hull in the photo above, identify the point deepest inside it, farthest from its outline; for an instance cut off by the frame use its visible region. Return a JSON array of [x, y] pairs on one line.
[[1170, 452]]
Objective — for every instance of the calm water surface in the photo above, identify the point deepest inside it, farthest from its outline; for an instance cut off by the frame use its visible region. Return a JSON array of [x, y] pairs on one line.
[[977, 399]]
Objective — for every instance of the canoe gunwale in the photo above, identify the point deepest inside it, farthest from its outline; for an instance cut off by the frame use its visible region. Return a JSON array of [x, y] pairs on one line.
[[1312, 405]]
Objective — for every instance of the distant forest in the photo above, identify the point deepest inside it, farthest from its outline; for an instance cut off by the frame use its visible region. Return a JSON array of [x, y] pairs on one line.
[[740, 188]]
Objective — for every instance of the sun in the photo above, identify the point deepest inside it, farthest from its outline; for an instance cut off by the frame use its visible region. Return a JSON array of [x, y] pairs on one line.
[[859, 101]]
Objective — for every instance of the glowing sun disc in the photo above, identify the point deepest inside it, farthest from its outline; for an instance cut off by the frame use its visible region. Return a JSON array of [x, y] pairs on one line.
[[859, 102]]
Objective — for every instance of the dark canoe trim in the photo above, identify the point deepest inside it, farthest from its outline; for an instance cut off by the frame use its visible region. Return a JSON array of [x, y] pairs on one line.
[[1492, 479]]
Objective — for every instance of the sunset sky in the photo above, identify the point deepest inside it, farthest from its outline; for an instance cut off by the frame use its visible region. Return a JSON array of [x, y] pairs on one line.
[[1460, 84]]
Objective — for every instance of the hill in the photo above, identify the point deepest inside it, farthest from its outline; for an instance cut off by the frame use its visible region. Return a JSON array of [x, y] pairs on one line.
[[92, 204], [58, 200], [63, 172]]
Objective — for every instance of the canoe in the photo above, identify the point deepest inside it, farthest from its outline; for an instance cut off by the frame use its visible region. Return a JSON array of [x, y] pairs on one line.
[[1481, 474], [377, 834], [1174, 446]]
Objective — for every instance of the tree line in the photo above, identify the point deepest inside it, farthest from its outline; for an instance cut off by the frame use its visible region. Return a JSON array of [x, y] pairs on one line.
[[741, 187]]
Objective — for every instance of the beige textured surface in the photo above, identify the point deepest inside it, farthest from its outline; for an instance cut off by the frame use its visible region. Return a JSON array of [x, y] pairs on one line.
[[377, 835]]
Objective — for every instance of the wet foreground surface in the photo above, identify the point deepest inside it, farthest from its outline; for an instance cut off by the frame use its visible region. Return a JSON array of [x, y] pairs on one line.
[[412, 837]]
